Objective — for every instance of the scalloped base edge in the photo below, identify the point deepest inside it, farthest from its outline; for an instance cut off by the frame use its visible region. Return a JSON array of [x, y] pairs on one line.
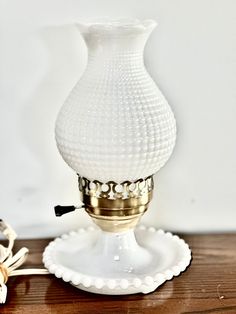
[[122, 286]]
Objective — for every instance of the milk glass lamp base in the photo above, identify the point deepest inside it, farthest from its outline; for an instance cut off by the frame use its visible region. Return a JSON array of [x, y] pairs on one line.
[[117, 263]]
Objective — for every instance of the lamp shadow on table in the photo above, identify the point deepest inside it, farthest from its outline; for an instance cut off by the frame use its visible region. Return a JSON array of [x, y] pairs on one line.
[[63, 293]]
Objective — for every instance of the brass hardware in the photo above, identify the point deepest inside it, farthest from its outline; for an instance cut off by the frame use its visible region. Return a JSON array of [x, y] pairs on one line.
[[116, 207]]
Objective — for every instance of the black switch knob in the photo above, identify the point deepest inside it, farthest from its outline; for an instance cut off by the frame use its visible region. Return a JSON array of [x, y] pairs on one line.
[[61, 210]]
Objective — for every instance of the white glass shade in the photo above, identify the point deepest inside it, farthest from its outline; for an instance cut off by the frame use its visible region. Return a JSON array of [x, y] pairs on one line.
[[116, 124]]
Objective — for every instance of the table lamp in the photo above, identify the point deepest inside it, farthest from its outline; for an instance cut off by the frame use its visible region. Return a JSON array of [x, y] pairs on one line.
[[116, 130]]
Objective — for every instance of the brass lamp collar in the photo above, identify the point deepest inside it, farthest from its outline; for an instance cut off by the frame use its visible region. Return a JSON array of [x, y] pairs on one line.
[[116, 207]]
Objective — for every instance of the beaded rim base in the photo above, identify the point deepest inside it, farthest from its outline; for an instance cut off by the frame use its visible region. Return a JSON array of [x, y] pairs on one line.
[[113, 286]]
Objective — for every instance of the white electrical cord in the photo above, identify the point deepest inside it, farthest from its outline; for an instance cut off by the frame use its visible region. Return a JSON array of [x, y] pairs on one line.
[[9, 262]]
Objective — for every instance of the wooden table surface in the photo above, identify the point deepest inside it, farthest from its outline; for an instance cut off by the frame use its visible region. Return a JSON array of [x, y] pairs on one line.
[[207, 286]]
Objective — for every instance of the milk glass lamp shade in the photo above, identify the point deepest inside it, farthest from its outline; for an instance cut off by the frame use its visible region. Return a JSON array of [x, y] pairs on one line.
[[116, 130], [116, 125]]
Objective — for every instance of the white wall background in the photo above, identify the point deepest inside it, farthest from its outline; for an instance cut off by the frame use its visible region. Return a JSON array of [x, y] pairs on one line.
[[192, 57]]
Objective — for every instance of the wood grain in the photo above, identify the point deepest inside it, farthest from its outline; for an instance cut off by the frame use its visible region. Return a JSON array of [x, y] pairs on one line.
[[207, 286]]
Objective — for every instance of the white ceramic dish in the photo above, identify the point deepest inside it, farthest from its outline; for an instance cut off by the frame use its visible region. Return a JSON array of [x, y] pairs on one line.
[[69, 257]]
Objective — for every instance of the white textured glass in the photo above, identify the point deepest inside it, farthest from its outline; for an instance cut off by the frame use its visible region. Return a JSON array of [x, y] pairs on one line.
[[116, 124]]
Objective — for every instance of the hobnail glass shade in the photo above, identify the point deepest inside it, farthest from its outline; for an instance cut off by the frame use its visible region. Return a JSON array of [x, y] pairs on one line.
[[116, 124]]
